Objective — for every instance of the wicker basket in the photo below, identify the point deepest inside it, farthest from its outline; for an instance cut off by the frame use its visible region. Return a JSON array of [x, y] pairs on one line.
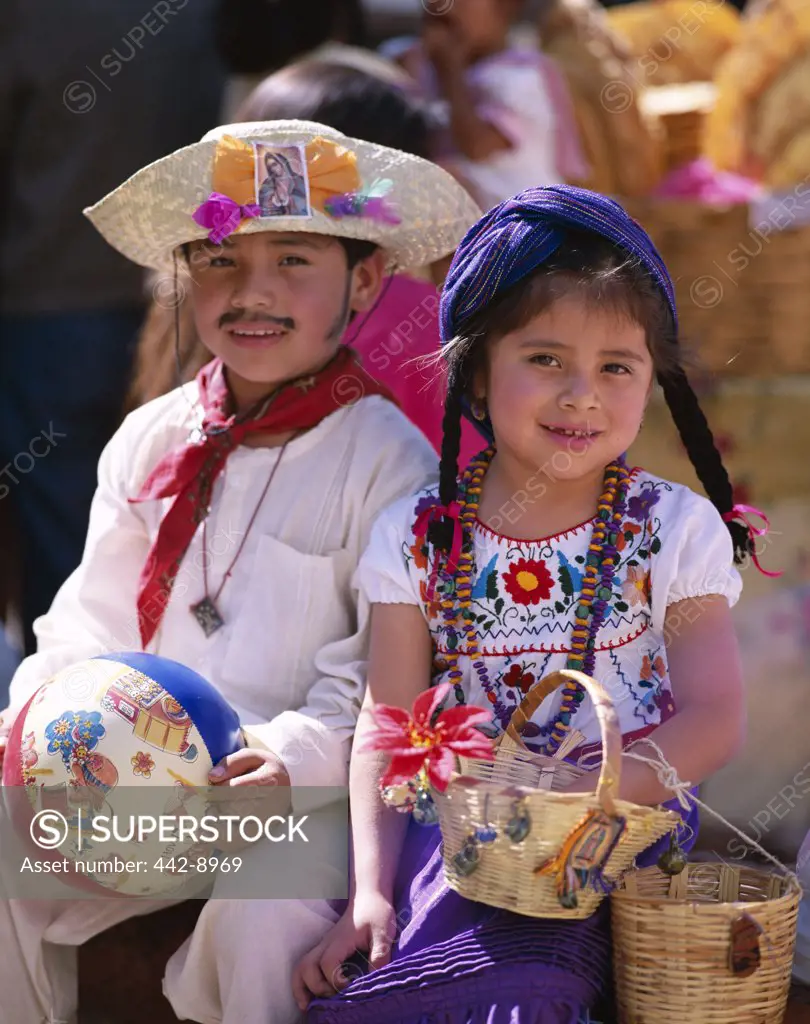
[[682, 110], [673, 940], [498, 793], [743, 295]]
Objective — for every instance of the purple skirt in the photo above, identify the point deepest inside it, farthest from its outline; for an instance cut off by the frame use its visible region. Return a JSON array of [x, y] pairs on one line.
[[460, 962]]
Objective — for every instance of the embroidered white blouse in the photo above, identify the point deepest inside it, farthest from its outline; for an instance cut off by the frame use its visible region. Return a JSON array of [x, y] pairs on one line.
[[673, 545], [291, 656]]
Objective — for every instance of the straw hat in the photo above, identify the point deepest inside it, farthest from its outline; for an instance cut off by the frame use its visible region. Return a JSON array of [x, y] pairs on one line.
[[286, 176]]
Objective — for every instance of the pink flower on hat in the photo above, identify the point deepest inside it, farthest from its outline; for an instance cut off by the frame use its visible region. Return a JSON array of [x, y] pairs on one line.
[[222, 216]]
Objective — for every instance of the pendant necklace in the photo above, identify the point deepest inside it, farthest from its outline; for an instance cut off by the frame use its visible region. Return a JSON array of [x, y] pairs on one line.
[[206, 611]]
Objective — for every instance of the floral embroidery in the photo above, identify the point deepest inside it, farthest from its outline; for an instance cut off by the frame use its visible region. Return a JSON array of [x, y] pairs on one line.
[[142, 764], [432, 608], [528, 581], [652, 680], [629, 531], [518, 678], [419, 552], [636, 589], [523, 596], [639, 505]]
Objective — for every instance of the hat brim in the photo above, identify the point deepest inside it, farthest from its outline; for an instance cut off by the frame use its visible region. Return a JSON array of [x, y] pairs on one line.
[[150, 215]]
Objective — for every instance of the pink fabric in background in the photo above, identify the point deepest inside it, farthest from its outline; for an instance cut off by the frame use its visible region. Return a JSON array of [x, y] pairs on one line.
[[392, 344], [700, 181]]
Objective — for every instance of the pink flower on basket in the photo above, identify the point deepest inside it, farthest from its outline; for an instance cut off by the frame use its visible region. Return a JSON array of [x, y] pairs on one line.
[[424, 740]]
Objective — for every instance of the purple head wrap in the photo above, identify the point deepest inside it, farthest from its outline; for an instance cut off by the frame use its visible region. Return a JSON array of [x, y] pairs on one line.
[[517, 236]]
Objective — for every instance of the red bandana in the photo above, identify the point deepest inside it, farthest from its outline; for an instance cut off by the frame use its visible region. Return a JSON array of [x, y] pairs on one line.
[[189, 472]]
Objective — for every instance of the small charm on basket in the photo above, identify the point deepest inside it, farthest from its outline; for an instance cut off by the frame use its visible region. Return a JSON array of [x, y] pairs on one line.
[[673, 860], [467, 858], [519, 825], [423, 746], [583, 856]]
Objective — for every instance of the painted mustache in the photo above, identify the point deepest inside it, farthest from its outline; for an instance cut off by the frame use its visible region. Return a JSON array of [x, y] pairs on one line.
[[280, 321]]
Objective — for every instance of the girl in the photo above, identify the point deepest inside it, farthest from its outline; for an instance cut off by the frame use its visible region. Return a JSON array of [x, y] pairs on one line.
[[231, 513], [558, 315]]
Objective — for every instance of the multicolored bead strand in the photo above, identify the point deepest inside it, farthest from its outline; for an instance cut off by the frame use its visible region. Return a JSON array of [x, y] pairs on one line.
[[597, 589]]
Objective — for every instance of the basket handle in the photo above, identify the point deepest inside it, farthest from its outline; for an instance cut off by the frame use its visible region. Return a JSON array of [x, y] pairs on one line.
[[607, 788]]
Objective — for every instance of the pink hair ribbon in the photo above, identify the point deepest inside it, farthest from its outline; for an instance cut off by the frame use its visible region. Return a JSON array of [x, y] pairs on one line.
[[222, 215], [741, 514]]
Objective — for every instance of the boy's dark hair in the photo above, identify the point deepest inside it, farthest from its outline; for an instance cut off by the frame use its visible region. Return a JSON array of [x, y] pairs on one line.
[[352, 101], [357, 250], [605, 277]]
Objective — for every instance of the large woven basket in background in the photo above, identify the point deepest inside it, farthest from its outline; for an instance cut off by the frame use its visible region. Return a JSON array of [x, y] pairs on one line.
[[672, 943], [743, 294], [493, 793]]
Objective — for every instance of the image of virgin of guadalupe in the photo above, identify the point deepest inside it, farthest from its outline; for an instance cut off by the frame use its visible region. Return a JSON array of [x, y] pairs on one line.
[[282, 191]]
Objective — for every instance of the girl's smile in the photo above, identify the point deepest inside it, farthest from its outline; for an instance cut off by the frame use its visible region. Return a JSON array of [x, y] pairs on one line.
[[566, 392]]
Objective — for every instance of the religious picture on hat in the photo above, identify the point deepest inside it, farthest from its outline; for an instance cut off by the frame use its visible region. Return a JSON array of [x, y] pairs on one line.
[[282, 187]]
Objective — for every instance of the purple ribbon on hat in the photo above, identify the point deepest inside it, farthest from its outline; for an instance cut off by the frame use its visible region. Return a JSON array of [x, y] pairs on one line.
[[222, 216]]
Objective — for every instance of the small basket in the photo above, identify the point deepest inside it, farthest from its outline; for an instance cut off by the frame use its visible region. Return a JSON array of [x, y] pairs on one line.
[[684, 948], [495, 797]]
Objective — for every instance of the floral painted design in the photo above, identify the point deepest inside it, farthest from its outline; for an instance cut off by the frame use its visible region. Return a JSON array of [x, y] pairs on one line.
[[142, 764], [74, 731], [528, 581]]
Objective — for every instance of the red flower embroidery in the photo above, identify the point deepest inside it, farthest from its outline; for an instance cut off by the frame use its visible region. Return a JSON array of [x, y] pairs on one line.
[[528, 581], [419, 556], [518, 679], [628, 527], [415, 741]]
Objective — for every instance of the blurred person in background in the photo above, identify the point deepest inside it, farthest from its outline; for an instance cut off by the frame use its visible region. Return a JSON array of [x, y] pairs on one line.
[[393, 343], [506, 114], [89, 92]]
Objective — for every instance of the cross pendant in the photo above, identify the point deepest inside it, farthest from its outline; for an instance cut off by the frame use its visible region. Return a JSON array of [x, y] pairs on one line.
[[207, 614]]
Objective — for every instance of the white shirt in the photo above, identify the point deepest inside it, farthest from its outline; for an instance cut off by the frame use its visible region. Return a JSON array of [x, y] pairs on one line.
[[290, 658], [672, 545]]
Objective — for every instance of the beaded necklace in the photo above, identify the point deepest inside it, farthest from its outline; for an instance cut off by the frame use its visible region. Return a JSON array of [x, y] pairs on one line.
[[597, 589]]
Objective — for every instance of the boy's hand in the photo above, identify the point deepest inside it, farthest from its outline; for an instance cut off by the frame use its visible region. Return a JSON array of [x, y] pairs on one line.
[[7, 720], [369, 925], [249, 782], [250, 767]]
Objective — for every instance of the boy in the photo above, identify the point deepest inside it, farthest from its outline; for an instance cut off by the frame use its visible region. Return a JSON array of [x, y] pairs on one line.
[[230, 513]]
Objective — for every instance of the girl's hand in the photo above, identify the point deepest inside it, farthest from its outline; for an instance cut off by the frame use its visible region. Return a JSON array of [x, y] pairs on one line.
[[369, 926], [7, 720]]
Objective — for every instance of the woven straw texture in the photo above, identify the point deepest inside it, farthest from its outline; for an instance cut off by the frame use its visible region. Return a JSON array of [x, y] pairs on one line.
[[741, 287], [492, 793], [672, 944], [148, 216]]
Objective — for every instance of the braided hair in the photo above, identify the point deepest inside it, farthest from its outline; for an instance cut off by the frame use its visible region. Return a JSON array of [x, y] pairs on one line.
[[604, 276]]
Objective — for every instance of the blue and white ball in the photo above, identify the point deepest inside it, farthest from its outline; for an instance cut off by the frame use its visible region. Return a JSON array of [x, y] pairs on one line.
[[103, 728]]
